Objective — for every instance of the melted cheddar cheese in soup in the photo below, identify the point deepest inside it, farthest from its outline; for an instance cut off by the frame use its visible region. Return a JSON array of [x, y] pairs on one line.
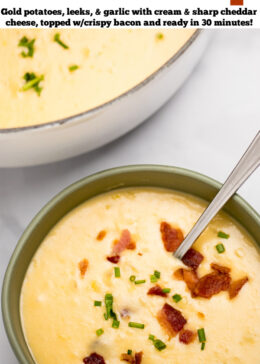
[[48, 75], [104, 286]]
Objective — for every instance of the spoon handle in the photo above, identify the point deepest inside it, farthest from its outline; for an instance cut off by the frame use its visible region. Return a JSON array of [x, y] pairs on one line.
[[245, 167]]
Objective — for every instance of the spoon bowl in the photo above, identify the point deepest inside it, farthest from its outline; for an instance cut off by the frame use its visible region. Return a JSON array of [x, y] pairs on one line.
[[249, 162]]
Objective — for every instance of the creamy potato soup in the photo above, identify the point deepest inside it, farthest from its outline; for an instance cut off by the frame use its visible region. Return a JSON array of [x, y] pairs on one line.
[[47, 75], [104, 286]]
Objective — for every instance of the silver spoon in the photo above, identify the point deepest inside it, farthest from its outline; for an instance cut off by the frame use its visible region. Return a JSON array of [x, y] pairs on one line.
[[245, 167]]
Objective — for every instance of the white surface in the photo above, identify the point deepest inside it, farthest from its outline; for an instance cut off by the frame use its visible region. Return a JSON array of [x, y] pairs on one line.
[[205, 127]]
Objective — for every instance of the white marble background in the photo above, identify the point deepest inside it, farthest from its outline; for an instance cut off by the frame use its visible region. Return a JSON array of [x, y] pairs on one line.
[[206, 127]]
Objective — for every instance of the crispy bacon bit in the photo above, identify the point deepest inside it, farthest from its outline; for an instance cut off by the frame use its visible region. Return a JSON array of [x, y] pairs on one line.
[[127, 357], [94, 358], [114, 259], [212, 284], [208, 285], [220, 268], [101, 235], [138, 357], [156, 291], [83, 266], [131, 245], [171, 319], [188, 276], [187, 336], [192, 258], [171, 237], [178, 274], [236, 286], [125, 242]]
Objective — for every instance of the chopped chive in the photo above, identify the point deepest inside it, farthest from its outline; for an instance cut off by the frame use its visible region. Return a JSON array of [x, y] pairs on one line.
[[159, 345], [117, 272], [115, 324], [176, 298], [202, 346], [109, 307], [166, 290], [153, 279], [157, 274], [141, 281], [223, 235], [132, 278], [129, 352], [99, 332], [136, 325], [24, 42], [32, 81], [159, 36], [220, 248], [97, 303], [109, 296], [59, 41], [74, 67], [201, 335]]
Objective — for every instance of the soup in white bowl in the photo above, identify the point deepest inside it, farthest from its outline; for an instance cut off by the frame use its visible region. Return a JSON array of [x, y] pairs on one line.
[[48, 75]]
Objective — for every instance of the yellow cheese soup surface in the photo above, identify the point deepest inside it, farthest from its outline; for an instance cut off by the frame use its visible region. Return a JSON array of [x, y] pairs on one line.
[[57, 302], [110, 62]]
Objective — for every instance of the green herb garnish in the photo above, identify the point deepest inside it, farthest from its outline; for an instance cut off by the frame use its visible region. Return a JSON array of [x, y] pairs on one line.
[[153, 279], [117, 272], [158, 344], [129, 352], [24, 42], [223, 235], [132, 278], [201, 335], [73, 68], [32, 81], [97, 303], [202, 346], [59, 41], [109, 307], [220, 248], [166, 290], [99, 332], [176, 298], [157, 274], [141, 281], [136, 325], [115, 324], [159, 36]]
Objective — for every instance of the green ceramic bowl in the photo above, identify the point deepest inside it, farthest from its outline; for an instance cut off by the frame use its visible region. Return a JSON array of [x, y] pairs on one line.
[[132, 176]]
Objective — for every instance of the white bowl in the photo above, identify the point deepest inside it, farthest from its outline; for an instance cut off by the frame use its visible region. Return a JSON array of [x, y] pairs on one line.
[[81, 133]]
